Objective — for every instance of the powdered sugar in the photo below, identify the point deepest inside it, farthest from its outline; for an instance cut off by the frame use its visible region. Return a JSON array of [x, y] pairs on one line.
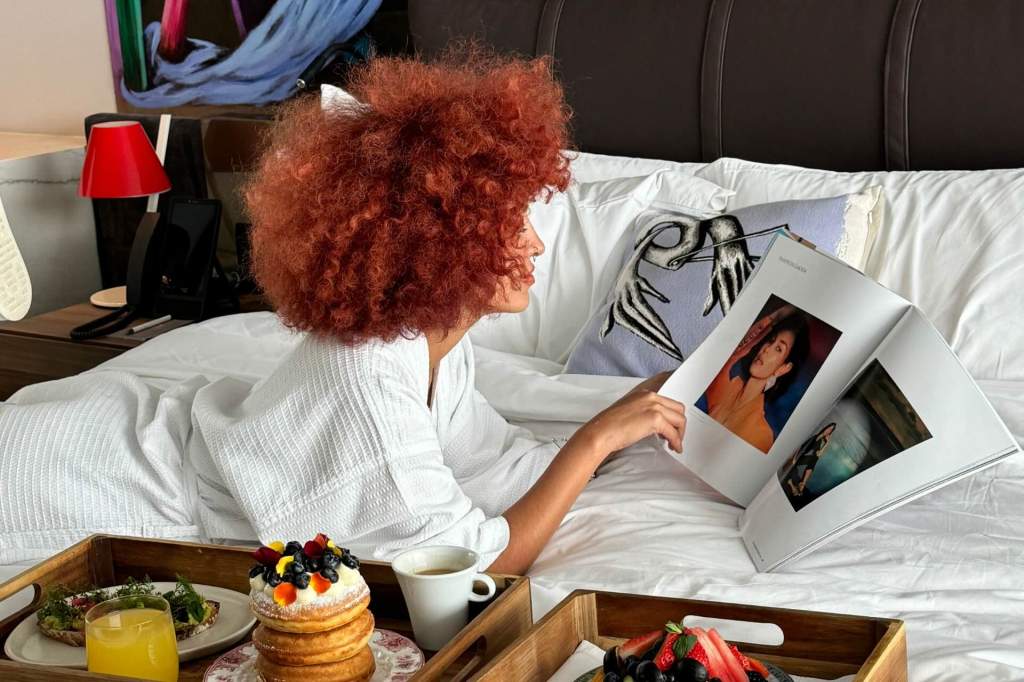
[[334, 596]]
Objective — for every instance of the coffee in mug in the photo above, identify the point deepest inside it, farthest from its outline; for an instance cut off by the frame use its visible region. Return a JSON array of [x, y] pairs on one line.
[[437, 583], [436, 571]]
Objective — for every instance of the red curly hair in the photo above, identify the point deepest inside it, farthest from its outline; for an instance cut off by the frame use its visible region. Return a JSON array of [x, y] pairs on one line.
[[400, 213]]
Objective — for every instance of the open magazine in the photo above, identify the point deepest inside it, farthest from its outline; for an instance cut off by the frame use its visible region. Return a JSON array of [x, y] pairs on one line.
[[822, 400]]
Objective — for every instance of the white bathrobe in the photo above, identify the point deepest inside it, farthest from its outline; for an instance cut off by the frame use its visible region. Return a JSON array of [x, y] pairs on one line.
[[340, 439]]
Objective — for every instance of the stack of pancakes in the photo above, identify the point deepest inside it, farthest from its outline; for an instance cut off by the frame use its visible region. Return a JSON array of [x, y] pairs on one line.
[[327, 639]]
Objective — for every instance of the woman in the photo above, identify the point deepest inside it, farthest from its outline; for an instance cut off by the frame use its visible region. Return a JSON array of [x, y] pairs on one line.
[[385, 228], [762, 367], [795, 474]]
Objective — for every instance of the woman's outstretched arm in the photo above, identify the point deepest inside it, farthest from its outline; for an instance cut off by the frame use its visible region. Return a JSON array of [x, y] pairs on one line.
[[535, 517]]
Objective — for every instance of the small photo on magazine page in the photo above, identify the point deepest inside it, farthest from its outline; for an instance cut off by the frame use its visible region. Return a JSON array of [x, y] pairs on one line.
[[762, 382], [871, 422]]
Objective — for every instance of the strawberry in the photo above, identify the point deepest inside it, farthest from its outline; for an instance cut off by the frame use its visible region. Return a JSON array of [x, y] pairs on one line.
[[638, 646], [666, 656], [698, 654]]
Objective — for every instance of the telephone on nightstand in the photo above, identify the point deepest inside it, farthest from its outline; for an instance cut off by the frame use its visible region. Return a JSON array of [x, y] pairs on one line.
[[172, 270]]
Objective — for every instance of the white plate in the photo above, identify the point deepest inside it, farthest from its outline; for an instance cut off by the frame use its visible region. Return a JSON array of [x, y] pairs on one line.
[[26, 644], [397, 657]]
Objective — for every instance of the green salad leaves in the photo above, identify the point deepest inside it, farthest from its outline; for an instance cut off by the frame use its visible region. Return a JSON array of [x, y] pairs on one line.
[[65, 609]]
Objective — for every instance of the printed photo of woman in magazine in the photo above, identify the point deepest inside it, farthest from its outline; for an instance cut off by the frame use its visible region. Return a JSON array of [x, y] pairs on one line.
[[799, 468], [871, 422], [762, 382]]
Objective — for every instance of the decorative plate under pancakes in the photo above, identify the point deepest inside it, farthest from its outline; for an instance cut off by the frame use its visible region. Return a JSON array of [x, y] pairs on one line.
[[398, 659]]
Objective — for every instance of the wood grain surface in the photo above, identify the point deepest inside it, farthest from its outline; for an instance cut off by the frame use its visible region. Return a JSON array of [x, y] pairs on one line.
[[103, 560]]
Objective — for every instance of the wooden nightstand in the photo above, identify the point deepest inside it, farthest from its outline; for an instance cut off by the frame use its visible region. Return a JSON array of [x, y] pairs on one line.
[[39, 348]]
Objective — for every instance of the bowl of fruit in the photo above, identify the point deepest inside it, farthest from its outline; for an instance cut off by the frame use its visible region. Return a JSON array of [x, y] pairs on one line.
[[680, 654]]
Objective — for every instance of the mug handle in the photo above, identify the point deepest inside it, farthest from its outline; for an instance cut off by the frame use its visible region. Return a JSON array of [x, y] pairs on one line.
[[486, 580]]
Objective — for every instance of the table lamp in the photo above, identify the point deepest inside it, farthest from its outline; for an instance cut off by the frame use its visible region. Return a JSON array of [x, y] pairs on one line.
[[120, 163]]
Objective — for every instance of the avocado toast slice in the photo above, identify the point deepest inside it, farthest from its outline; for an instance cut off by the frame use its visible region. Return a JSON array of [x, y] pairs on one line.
[[62, 616]]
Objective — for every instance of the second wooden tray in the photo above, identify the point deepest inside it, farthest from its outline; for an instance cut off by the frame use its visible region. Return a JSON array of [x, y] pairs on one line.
[[824, 645]]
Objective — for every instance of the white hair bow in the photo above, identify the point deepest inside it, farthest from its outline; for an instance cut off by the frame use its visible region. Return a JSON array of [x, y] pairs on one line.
[[333, 98]]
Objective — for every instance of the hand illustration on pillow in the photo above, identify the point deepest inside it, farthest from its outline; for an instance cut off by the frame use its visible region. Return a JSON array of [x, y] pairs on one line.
[[732, 265], [629, 307]]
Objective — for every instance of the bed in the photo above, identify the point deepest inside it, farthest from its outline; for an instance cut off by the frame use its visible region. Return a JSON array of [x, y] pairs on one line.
[[951, 564]]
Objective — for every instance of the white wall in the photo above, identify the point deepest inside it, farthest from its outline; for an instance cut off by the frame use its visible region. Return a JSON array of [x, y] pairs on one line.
[[54, 65]]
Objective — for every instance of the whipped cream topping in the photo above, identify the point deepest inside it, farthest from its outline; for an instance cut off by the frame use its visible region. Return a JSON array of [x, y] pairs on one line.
[[350, 582]]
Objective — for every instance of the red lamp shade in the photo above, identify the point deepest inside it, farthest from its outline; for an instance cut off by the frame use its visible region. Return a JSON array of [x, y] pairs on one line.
[[120, 163]]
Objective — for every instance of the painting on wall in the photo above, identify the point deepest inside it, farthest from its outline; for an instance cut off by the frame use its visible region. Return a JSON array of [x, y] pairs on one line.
[[172, 54]]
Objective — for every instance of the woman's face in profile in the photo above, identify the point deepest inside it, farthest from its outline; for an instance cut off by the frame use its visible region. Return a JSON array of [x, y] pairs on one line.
[[514, 296], [771, 359]]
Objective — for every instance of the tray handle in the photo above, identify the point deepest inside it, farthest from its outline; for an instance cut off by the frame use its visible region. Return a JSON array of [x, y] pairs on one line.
[[504, 619]]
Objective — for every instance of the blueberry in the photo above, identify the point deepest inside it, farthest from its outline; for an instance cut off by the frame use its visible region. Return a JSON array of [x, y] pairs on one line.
[[330, 559], [292, 548], [629, 665], [330, 574], [256, 570], [690, 670], [313, 564], [272, 578], [611, 661], [301, 580], [646, 671], [350, 561], [754, 676], [611, 676], [297, 566]]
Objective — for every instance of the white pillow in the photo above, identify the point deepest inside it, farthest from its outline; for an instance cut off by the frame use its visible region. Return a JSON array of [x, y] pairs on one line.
[[585, 231], [951, 242], [588, 167]]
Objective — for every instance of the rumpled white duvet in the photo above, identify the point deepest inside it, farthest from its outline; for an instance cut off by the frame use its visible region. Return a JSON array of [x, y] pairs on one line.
[[951, 564]]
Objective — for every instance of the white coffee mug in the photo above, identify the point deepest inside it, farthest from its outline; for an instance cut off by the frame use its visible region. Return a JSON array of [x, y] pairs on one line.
[[437, 583]]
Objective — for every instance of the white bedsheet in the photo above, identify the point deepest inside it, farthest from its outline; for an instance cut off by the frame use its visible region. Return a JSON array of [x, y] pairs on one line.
[[951, 564]]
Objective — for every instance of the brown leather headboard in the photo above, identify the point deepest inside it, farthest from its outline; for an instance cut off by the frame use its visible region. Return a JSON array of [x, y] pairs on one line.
[[839, 84]]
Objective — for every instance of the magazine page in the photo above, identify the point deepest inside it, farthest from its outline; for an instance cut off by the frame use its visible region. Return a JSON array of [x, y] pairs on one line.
[[796, 335], [911, 420]]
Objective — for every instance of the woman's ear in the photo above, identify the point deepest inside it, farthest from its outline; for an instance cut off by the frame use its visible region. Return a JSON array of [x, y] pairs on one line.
[[783, 370]]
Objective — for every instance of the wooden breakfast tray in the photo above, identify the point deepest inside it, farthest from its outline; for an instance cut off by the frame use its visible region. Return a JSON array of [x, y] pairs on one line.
[[106, 560], [822, 645]]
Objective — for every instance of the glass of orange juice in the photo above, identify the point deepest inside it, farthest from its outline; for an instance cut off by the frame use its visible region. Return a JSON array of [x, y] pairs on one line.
[[132, 637]]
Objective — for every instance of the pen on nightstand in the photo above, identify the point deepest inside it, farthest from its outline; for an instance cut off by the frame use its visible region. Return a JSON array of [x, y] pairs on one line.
[[149, 325]]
